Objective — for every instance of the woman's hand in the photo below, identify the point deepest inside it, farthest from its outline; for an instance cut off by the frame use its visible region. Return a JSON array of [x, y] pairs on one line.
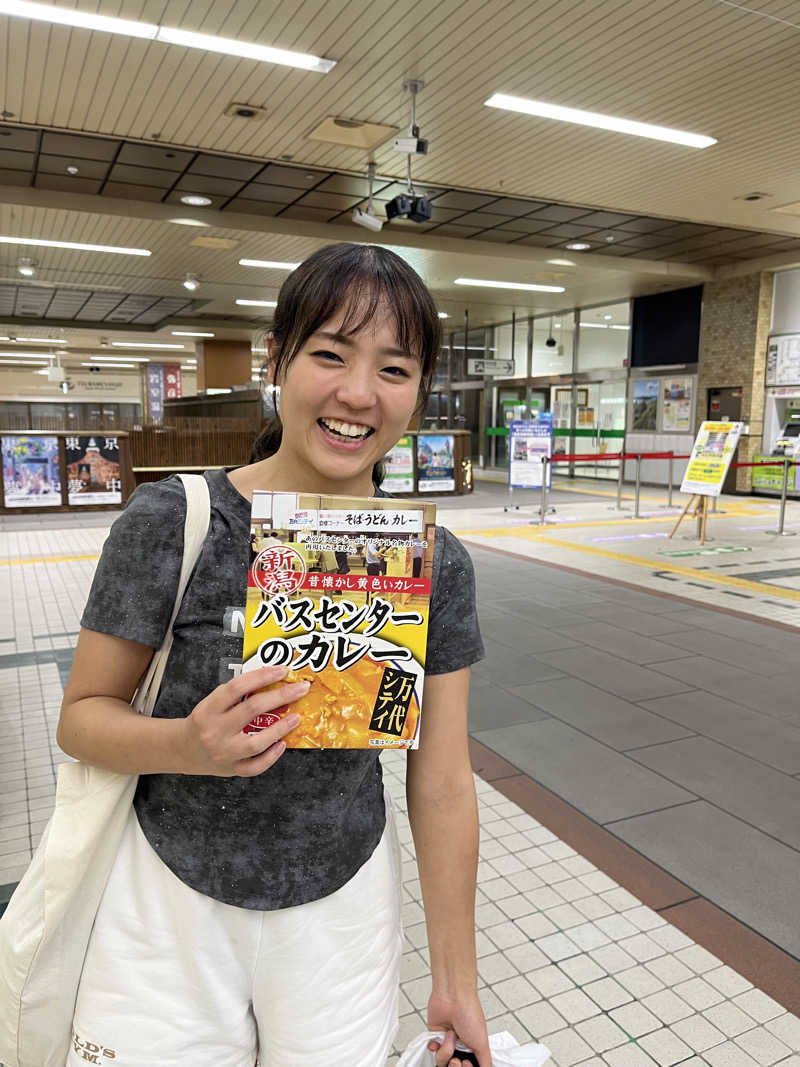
[[461, 1019], [213, 738]]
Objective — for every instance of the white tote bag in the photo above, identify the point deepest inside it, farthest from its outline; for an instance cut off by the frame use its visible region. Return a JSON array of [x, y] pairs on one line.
[[45, 931]]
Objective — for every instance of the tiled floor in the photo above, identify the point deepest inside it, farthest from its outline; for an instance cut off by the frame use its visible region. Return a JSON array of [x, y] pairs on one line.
[[642, 712]]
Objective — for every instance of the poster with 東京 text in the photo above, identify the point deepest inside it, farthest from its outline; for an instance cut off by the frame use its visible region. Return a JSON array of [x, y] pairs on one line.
[[93, 475], [711, 457]]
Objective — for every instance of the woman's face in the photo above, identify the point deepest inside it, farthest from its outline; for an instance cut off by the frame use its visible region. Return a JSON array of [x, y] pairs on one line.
[[345, 401]]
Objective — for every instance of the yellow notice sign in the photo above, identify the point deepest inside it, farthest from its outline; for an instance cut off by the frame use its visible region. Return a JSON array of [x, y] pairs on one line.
[[711, 457]]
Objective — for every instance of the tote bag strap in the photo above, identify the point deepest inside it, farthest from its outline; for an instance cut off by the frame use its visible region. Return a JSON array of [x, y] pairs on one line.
[[195, 529]]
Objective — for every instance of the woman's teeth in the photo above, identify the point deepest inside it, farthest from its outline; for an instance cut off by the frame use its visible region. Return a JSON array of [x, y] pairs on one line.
[[346, 429]]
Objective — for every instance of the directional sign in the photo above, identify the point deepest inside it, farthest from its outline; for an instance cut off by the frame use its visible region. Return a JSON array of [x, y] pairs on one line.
[[490, 366]]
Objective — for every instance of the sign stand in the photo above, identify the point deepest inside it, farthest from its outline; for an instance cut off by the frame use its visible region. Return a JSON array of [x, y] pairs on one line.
[[530, 446], [700, 513]]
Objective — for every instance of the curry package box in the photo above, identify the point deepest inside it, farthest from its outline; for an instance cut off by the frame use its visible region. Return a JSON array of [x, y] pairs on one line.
[[338, 591]]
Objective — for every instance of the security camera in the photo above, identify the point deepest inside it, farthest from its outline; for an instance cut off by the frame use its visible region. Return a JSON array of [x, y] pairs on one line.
[[406, 206], [413, 145], [551, 342], [368, 221]]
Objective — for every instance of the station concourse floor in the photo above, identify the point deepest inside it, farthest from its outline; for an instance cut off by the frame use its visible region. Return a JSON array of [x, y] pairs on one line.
[[635, 733]]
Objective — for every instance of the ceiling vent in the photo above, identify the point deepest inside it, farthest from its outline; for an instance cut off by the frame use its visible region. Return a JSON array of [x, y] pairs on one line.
[[354, 133], [248, 112]]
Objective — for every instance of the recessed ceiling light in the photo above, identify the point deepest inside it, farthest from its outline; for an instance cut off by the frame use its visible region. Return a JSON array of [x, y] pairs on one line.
[[272, 263], [578, 246], [510, 285], [167, 34], [72, 169], [119, 366], [598, 121], [191, 282], [189, 222], [26, 267], [142, 344], [196, 201], [40, 242], [608, 317], [443, 315], [187, 333], [258, 303], [562, 262]]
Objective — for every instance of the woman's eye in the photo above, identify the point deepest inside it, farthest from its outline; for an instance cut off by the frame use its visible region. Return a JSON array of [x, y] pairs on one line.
[[398, 372], [327, 355]]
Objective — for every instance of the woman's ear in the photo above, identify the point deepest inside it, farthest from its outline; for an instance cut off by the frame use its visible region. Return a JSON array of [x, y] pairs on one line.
[[273, 349]]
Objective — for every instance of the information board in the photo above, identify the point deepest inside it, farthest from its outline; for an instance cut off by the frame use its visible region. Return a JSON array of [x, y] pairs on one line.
[[783, 361], [435, 465], [645, 404], [711, 457], [529, 441], [93, 470], [399, 462], [677, 409]]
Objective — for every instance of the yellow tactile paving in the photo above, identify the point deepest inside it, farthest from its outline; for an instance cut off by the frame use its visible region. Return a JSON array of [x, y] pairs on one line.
[[46, 559], [638, 561]]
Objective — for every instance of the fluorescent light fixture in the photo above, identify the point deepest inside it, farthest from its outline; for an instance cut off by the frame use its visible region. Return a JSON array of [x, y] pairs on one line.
[[43, 340], [22, 363], [594, 325], [189, 222], [257, 304], [195, 200], [186, 333], [39, 242], [115, 359], [561, 262], [121, 366], [212, 392], [166, 34], [443, 315], [578, 246], [510, 285], [272, 263], [598, 121], [614, 327], [21, 355], [141, 344]]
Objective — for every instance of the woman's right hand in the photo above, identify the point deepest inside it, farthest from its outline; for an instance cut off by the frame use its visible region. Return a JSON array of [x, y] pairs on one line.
[[213, 739]]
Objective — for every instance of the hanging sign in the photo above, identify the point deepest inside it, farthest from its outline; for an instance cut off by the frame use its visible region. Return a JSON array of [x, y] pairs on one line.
[[490, 366]]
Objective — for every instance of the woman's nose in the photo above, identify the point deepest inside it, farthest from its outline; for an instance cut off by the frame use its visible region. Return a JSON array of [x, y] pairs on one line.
[[357, 389]]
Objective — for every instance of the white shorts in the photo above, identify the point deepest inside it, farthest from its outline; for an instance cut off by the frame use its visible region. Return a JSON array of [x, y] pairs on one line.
[[173, 978]]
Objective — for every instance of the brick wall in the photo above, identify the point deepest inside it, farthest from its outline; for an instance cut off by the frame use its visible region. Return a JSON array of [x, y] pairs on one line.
[[733, 348]]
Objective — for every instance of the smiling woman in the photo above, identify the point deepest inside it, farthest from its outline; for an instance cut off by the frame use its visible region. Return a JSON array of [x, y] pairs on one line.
[[361, 311]]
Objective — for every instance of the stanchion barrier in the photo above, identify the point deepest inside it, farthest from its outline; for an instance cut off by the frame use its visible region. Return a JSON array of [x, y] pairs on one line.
[[543, 508], [669, 479], [638, 487]]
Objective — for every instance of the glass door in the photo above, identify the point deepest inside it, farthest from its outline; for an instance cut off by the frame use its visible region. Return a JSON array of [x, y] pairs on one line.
[[599, 427]]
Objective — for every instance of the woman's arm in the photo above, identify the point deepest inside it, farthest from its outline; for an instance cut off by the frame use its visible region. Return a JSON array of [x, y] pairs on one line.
[[99, 726], [444, 821]]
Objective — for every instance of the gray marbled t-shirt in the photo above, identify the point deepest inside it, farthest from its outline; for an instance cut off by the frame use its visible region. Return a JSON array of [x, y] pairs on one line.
[[303, 828]]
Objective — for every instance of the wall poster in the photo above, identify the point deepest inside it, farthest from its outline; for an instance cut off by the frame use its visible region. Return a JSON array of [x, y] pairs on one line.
[[677, 408], [399, 463], [435, 467], [93, 470], [645, 404], [31, 473]]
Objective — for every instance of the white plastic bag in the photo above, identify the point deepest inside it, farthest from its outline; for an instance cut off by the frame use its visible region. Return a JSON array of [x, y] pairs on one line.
[[506, 1052]]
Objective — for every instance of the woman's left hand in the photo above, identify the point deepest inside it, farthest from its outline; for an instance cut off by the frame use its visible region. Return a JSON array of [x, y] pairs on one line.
[[461, 1019]]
